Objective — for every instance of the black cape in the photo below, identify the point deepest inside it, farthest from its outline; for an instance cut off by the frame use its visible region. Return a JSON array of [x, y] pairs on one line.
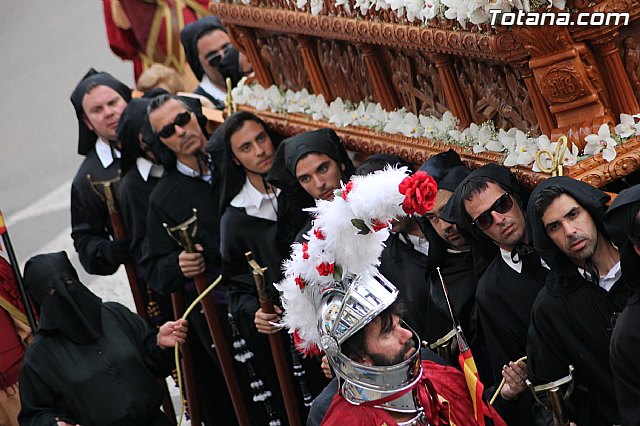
[[571, 321], [625, 342]]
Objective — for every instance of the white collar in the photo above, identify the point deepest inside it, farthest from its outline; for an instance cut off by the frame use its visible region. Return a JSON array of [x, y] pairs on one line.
[[256, 203], [105, 152], [212, 89], [608, 280], [421, 245], [506, 256], [188, 171], [146, 168]]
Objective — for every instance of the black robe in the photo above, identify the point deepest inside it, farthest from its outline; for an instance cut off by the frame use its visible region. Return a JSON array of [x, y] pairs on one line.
[[111, 381], [90, 223], [571, 324]]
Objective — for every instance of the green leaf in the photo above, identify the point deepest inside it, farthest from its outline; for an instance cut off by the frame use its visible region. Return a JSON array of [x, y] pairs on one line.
[[362, 227], [337, 272]]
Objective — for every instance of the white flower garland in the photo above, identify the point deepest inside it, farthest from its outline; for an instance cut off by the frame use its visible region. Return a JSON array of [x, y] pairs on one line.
[[517, 146]]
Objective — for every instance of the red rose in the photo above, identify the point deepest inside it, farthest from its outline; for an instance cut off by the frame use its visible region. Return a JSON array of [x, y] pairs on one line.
[[378, 225], [347, 189], [312, 350], [325, 269], [318, 233], [419, 192], [300, 282], [305, 251]]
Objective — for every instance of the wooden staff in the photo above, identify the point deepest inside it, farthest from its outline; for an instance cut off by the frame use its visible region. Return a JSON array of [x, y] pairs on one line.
[[279, 351], [17, 275], [120, 234], [185, 239], [108, 196]]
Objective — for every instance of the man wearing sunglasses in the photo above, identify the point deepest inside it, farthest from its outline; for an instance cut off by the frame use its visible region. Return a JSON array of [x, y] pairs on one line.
[[189, 183], [488, 210], [99, 100], [212, 58], [574, 314]]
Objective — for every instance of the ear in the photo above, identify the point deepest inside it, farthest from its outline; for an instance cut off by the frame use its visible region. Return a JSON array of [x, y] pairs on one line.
[[343, 167], [87, 123], [637, 249]]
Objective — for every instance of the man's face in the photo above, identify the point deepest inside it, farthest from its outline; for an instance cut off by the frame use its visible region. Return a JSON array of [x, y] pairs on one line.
[[319, 175], [447, 231], [571, 228], [390, 346], [102, 107], [208, 45], [187, 140], [252, 147], [507, 229]]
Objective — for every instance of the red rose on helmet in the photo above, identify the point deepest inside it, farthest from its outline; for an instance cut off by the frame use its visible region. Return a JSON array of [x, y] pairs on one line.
[[420, 191], [325, 269]]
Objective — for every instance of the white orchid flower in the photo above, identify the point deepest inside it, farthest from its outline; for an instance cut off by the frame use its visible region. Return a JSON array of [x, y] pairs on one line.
[[601, 142], [627, 126], [300, 4], [414, 8], [316, 7], [428, 125], [317, 107], [364, 6], [523, 153], [338, 113], [430, 10]]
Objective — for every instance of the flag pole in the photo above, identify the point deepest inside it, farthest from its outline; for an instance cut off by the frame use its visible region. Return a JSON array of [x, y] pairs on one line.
[[16, 272]]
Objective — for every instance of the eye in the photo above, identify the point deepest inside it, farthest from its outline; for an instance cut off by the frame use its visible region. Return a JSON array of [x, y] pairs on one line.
[[304, 179], [245, 147], [261, 137], [572, 214], [323, 168], [552, 227]]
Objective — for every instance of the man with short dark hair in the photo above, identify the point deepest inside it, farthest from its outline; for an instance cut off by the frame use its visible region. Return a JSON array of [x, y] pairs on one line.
[[574, 314], [99, 100]]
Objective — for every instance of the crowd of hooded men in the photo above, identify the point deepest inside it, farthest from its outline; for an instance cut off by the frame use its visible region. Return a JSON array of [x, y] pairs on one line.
[[539, 281]]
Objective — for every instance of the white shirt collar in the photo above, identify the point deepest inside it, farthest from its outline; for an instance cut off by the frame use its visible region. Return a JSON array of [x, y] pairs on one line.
[[421, 245], [608, 280], [211, 89], [146, 168], [105, 153], [506, 256], [188, 171], [255, 203]]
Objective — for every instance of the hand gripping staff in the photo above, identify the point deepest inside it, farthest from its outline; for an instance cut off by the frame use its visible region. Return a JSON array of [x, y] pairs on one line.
[[278, 349], [183, 235]]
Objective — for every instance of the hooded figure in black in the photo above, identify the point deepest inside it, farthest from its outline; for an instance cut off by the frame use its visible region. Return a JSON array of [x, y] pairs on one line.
[[293, 149], [574, 314], [90, 223], [622, 225], [212, 86], [182, 189], [91, 363], [509, 284]]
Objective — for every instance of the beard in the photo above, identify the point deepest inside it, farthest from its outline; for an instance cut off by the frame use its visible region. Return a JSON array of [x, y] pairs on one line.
[[384, 360]]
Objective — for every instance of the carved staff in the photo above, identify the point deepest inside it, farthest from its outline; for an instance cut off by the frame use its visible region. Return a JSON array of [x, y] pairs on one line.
[[16, 274], [105, 190], [279, 351], [184, 237]]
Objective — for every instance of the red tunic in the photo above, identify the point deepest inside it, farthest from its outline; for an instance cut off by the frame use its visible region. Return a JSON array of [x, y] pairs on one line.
[[456, 406]]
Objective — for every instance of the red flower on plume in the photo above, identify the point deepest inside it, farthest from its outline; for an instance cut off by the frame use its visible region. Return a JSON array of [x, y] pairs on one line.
[[325, 269], [300, 282], [419, 192], [347, 189], [305, 251], [312, 350], [318, 233], [379, 225]]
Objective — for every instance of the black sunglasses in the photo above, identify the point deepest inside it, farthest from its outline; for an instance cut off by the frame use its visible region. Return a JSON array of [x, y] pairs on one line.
[[214, 58], [181, 120], [501, 205]]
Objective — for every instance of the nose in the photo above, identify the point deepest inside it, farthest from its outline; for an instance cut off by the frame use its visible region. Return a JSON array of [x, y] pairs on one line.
[[179, 130], [497, 217], [403, 334], [260, 151], [319, 183], [568, 229]]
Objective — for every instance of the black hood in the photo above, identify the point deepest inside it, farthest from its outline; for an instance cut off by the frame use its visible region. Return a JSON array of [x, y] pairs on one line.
[[87, 137], [66, 305], [163, 154], [322, 141], [190, 35], [440, 165], [131, 125], [619, 221], [591, 199]]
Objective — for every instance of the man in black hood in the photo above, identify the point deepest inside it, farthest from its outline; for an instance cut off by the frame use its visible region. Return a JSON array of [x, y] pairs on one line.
[[99, 100], [622, 223], [90, 362], [212, 58], [574, 314], [488, 209]]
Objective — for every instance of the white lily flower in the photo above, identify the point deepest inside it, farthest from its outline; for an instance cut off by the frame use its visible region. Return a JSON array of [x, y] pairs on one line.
[[428, 125], [601, 142], [338, 114], [523, 153], [397, 6], [316, 7], [317, 107], [627, 126], [381, 5], [395, 122], [430, 10], [300, 4], [414, 8]]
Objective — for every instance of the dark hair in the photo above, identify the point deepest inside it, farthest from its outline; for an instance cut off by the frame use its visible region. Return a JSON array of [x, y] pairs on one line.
[[354, 346], [158, 101], [545, 197], [379, 162], [635, 229], [235, 123], [476, 185], [206, 33]]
